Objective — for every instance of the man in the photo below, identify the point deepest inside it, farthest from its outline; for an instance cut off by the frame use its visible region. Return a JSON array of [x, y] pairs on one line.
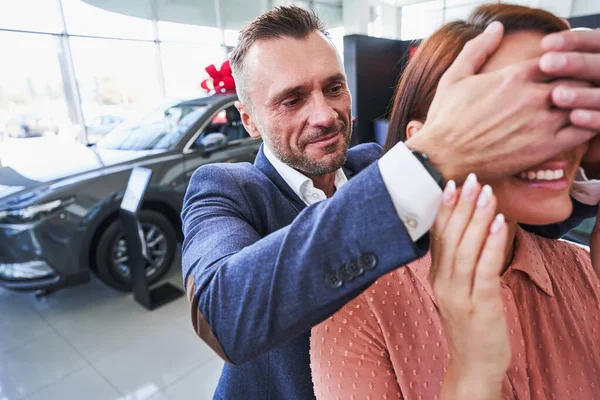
[[270, 251]]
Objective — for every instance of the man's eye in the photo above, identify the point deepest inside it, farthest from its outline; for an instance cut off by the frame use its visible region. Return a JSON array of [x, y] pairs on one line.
[[336, 89], [291, 103]]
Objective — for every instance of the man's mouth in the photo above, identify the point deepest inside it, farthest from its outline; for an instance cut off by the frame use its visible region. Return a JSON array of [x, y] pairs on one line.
[[325, 139]]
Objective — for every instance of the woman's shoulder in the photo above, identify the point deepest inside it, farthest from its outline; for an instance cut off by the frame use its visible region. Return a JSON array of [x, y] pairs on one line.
[[553, 248], [564, 260]]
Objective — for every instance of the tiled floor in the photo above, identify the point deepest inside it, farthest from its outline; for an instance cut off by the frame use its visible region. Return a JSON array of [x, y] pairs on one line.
[[91, 342]]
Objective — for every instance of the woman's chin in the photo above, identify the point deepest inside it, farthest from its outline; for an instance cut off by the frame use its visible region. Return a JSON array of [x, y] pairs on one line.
[[545, 216]]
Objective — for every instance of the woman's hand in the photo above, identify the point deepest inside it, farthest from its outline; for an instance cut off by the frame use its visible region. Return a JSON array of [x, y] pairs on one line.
[[595, 245], [468, 251]]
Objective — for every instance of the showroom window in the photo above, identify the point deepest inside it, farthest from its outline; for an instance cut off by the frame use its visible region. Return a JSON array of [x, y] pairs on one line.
[[32, 94], [115, 76], [422, 19], [82, 66], [231, 37], [17, 15], [183, 67], [85, 19]]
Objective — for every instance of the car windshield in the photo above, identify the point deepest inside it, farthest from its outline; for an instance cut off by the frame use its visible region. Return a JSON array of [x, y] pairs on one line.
[[160, 129]]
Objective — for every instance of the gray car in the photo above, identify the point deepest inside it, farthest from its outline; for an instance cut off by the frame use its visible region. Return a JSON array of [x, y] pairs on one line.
[[59, 223], [29, 125]]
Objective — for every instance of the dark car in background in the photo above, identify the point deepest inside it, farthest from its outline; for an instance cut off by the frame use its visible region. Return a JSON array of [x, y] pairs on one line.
[[60, 222], [29, 125]]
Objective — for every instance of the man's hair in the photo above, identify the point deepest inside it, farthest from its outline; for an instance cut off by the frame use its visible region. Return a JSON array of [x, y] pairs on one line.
[[292, 21]]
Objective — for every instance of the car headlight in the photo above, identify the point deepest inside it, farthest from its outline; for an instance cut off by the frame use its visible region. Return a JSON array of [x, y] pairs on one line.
[[26, 270], [28, 214]]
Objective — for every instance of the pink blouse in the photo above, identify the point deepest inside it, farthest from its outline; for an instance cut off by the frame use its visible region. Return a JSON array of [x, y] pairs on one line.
[[389, 342]]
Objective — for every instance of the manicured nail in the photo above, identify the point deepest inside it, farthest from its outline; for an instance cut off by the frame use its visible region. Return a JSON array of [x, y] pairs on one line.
[[494, 27], [552, 42], [497, 224], [553, 61], [469, 187], [566, 96], [449, 192], [484, 196], [582, 116]]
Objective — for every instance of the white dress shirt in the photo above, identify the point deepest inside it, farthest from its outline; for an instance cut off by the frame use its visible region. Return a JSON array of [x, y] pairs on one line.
[[415, 194], [302, 185]]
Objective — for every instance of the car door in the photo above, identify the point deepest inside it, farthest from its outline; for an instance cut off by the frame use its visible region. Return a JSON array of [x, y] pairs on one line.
[[240, 146]]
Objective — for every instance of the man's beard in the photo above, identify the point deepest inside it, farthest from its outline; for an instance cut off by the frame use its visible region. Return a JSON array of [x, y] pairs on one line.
[[334, 160]]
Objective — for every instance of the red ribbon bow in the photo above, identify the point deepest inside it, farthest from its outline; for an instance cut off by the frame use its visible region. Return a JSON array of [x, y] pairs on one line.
[[221, 81]]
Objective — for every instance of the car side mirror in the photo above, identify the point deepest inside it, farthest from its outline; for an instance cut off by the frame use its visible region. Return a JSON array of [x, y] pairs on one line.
[[212, 142]]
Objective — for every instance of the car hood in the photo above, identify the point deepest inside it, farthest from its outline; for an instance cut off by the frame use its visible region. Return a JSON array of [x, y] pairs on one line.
[[46, 165]]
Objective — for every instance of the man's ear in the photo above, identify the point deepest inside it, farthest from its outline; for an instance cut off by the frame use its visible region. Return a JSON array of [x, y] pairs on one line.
[[247, 120], [413, 127]]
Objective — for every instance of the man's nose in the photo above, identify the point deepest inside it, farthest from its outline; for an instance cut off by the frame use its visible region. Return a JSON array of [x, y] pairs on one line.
[[322, 113]]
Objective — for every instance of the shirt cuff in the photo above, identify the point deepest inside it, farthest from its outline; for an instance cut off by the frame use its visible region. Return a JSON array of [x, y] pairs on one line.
[[584, 190], [414, 192]]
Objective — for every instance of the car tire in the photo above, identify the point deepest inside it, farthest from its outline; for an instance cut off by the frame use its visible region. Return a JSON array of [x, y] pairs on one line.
[[110, 263]]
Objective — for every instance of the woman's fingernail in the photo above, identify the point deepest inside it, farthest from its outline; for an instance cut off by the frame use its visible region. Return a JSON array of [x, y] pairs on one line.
[[469, 186], [449, 192], [566, 96], [484, 196], [552, 42], [497, 224], [553, 61]]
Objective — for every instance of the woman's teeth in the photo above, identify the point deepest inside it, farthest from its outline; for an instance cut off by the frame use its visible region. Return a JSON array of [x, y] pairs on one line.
[[545, 175]]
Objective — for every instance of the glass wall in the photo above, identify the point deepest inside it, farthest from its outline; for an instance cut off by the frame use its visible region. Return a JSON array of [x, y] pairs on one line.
[[31, 85], [74, 69], [115, 76], [421, 19]]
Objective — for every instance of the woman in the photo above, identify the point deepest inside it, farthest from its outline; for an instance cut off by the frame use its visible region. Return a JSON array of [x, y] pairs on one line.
[[392, 342]]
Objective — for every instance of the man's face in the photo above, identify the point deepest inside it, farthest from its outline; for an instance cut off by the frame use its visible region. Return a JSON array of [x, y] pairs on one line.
[[301, 105]]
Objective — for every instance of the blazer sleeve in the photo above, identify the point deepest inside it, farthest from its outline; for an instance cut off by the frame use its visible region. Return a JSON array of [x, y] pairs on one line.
[[249, 293], [349, 357], [556, 231]]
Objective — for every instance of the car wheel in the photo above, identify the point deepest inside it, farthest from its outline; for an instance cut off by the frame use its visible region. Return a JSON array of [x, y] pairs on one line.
[[112, 257]]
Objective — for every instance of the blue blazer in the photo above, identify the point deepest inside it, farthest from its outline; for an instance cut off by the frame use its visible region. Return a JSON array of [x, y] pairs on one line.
[[261, 268]]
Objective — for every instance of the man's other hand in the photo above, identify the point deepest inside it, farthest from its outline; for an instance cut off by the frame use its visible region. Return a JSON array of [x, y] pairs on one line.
[[576, 54], [497, 123]]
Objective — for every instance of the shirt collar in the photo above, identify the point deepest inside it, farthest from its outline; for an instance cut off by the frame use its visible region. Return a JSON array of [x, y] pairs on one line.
[[530, 257], [295, 179]]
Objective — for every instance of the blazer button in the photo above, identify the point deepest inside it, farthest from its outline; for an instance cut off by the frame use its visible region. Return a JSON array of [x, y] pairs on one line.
[[332, 280], [367, 261], [344, 275], [354, 269]]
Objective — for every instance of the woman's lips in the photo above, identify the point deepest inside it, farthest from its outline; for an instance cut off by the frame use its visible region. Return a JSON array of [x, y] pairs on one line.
[[550, 175]]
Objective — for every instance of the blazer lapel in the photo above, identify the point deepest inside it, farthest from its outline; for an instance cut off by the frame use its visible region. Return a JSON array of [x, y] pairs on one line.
[[263, 164]]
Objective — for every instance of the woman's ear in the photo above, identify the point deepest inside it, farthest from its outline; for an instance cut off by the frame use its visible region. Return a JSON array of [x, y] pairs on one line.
[[413, 127]]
